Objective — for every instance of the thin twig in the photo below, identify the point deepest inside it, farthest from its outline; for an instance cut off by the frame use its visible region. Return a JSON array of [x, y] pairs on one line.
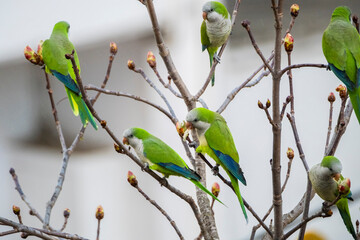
[[23, 196], [302, 223], [215, 62], [168, 85], [8, 232], [287, 101], [107, 76], [142, 73], [314, 65], [98, 230], [329, 126], [54, 111], [340, 128], [163, 212], [246, 25], [234, 92], [109, 92]]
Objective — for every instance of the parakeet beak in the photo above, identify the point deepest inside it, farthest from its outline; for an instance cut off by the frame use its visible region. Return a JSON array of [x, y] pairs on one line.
[[204, 15], [336, 176], [125, 141], [189, 125]]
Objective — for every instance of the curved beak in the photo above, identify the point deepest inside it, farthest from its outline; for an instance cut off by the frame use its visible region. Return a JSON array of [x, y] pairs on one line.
[[189, 125], [204, 15], [125, 141]]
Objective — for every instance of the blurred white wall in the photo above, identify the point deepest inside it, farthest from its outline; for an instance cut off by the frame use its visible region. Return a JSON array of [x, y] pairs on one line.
[[97, 174]]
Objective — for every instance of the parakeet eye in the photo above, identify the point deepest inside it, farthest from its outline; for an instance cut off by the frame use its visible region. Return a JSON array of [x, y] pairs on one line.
[[130, 136]]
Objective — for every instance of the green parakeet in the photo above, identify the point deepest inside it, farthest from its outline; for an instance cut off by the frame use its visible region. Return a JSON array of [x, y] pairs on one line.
[[215, 29], [324, 179], [341, 47], [160, 157], [54, 50], [217, 142]]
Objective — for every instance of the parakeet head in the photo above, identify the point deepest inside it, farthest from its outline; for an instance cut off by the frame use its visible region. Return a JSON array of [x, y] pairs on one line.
[[214, 11], [342, 12], [200, 118], [62, 26], [333, 166], [134, 136]]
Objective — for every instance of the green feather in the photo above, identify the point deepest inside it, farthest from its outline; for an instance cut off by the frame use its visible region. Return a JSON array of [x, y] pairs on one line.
[[343, 207]]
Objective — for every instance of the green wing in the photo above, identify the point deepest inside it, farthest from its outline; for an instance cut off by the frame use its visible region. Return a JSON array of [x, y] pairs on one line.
[[205, 41], [219, 138], [158, 152]]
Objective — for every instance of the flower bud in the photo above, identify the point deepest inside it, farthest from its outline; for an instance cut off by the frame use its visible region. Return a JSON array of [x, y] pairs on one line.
[[180, 128], [16, 210], [344, 186], [294, 10], [260, 105], [290, 153], [245, 23], [342, 91], [132, 179], [151, 59], [215, 189], [117, 148], [268, 103], [103, 123], [99, 213], [331, 97], [131, 64], [30, 54], [113, 48], [288, 42], [66, 213]]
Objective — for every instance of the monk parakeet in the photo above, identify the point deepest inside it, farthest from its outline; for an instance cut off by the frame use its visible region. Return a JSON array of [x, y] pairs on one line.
[[54, 50], [325, 178], [217, 142], [341, 47], [215, 29], [158, 156]]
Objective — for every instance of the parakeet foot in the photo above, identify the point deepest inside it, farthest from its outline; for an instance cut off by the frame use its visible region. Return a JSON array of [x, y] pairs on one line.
[[216, 58], [163, 182], [193, 144], [215, 170], [146, 166]]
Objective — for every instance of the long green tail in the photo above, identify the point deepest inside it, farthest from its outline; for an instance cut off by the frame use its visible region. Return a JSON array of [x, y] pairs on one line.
[[79, 108], [355, 101], [204, 189], [343, 207], [235, 184], [211, 56]]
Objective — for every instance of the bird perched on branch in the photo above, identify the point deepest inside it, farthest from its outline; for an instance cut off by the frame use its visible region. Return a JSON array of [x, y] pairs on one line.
[[215, 29], [341, 47], [158, 156], [328, 183], [53, 53], [217, 142]]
